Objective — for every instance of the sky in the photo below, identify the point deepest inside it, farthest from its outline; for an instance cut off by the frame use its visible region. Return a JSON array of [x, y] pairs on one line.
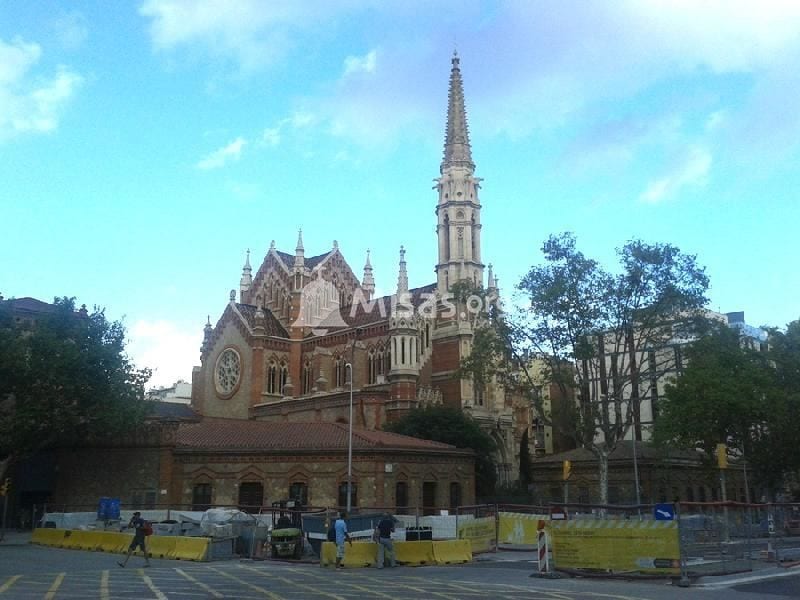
[[146, 145]]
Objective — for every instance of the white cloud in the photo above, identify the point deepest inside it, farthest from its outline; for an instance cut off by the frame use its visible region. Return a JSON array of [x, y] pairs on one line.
[[220, 157], [71, 30], [360, 64], [272, 136], [252, 33], [166, 349], [31, 104], [691, 170]]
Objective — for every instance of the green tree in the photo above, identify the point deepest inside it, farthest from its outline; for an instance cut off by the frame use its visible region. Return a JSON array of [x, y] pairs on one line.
[[525, 471], [451, 426], [720, 396], [585, 331], [776, 444], [64, 378]]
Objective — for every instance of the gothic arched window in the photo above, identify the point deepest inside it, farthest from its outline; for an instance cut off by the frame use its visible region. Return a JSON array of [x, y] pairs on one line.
[[284, 377], [272, 378], [307, 377], [371, 370]]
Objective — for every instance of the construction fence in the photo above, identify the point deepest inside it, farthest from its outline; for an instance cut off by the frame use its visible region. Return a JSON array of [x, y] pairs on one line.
[[675, 540]]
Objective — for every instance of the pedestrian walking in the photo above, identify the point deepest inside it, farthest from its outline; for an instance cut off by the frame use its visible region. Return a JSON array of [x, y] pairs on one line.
[[341, 535], [140, 528], [383, 534]]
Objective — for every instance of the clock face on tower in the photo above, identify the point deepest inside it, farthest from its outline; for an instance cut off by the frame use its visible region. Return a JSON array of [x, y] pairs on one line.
[[227, 373]]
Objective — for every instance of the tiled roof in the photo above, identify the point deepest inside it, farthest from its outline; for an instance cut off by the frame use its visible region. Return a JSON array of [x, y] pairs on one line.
[[272, 326], [382, 307], [28, 304], [240, 434], [623, 452], [310, 262]]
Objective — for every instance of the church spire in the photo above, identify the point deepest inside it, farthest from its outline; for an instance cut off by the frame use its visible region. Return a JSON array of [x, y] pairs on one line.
[[247, 279], [402, 276], [368, 283], [457, 151], [299, 251]]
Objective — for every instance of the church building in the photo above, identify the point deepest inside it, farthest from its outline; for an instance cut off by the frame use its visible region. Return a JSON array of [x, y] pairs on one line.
[[287, 344]]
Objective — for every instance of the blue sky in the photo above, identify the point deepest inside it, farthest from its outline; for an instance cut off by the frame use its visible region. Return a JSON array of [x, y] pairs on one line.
[[144, 146]]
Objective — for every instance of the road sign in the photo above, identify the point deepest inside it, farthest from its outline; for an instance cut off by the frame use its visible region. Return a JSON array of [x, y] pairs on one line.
[[664, 512]]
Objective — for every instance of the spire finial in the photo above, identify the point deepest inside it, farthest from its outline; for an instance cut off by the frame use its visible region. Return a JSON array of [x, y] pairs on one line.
[[299, 239], [272, 245]]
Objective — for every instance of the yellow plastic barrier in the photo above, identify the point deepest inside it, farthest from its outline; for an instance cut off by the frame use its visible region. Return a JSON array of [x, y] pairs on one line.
[[190, 548], [447, 552], [357, 554], [415, 553], [161, 546], [48, 537], [186, 548]]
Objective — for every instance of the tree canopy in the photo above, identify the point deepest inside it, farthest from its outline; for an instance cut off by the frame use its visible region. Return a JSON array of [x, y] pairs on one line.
[[65, 377], [451, 426], [733, 393], [585, 330]]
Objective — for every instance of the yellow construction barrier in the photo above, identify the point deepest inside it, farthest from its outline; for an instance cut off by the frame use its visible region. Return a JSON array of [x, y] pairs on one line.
[[415, 553], [190, 548], [447, 552], [481, 532], [519, 529], [48, 537], [185, 548], [357, 554], [161, 546], [616, 545]]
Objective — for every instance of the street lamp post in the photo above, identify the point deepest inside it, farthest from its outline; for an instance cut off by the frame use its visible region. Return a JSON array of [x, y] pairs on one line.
[[350, 443]]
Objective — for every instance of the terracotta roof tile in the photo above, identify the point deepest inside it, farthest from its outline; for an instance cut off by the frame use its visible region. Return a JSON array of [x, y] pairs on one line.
[[233, 434], [310, 262], [272, 326], [382, 307]]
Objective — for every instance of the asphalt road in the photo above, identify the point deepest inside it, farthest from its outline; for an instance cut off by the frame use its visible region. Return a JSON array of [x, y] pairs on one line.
[[28, 572]]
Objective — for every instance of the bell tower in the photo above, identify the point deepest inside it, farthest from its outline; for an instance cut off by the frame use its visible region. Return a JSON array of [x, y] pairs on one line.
[[458, 212]]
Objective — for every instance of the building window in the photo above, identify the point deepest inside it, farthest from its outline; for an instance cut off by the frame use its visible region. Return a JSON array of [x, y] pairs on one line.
[[337, 370], [284, 377], [455, 495], [379, 362], [429, 503], [401, 495], [387, 357], [479, 394], [583, 495], [201, 496], [689, 493], [371, 367], [343, 494], [272, 378], [144, 499], [298, 492], [251, 496], [307, 377]]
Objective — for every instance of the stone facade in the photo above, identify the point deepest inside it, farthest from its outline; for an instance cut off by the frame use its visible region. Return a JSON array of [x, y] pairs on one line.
[[303, 324]]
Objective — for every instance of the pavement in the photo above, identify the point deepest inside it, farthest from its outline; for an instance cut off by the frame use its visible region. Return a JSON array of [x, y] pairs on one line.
[[509, 560]]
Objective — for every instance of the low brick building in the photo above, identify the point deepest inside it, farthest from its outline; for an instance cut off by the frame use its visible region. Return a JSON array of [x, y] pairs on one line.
[[250, 464]]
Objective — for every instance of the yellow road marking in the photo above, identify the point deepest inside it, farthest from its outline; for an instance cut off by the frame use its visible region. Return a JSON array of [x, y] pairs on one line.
[[264, 591], [51, 593], [200, 583], [9, 583], [149, 582], [104, 586], [293, 582]]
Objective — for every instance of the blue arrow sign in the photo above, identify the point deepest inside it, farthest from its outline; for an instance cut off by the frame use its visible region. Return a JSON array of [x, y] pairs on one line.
[[664, 512]]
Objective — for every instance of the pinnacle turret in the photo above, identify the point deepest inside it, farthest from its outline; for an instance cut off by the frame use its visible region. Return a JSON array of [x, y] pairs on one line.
[[299, 251], [247, 278], [368, 283], [402, 275]]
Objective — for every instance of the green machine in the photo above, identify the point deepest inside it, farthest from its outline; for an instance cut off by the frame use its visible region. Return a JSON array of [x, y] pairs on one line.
[[286, 537]]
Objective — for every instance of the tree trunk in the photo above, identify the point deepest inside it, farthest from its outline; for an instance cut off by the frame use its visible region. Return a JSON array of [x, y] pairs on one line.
[[602, 457]]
